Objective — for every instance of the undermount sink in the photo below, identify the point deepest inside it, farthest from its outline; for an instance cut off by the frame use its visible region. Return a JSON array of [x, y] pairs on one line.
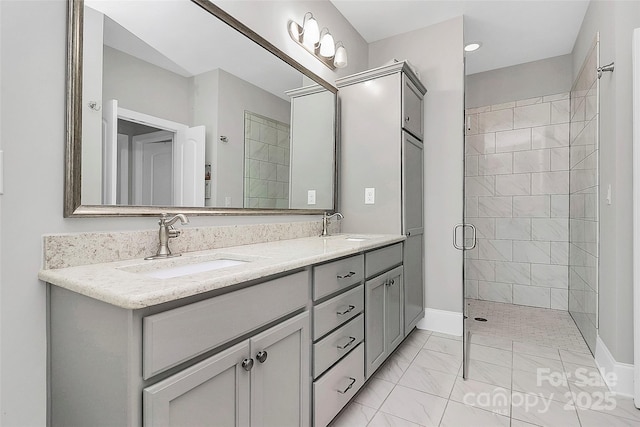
[[184, 268], [356, 239]]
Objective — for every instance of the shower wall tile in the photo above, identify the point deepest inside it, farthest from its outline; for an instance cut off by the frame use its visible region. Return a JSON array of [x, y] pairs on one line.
[[480, 144], [532, 296], [513, 185], [550, 136], [517, 196], [529, 101], [550, 183], [560, 299], [560, 159], [560, 111], [554, 276], [532, 115], [495, 121], [471, 124], [495, 164], [531, 161], [533, 252], [550, 229], [560, 205], [479, 185], [513, 228], [513, 140], [497, 292], [513, 272], [496, 207], [531, 206]]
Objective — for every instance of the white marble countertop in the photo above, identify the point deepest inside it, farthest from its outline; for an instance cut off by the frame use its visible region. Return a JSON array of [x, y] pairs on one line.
[[124, 283]]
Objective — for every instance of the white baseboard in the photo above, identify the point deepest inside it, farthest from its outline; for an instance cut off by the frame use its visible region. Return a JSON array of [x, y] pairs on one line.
[[446, 322], [623, 383]]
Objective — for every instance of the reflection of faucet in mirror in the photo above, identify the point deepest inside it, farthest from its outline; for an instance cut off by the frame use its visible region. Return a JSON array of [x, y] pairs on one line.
[[167, 232], [325, 222]]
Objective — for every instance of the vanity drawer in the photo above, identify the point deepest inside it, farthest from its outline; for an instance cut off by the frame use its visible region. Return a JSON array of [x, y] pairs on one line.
[[335, 345], [175, 336], [331, 277], [333, 313], [338, 386], [381, 260]]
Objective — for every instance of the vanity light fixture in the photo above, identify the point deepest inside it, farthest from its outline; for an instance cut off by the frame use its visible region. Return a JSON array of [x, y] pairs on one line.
[[472, 46], [319, 43]]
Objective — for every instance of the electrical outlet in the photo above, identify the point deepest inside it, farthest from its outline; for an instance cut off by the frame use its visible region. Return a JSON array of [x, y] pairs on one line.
[[311, 197], [227, 202], [369, 196]]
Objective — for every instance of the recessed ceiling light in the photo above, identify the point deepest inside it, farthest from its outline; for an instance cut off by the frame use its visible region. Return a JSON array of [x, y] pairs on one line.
[[470, 47]]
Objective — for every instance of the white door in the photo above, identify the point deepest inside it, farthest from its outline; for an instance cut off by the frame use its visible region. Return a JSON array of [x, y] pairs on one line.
[[109, 152], [188, 167], [152, 169]]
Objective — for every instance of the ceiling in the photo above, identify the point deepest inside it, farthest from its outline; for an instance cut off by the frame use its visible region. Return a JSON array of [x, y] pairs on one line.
[[511, 31]]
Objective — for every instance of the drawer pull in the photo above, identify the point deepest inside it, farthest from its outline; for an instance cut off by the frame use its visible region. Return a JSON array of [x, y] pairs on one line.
[[351, 340], [353, 381], [247, 364], [261, 356], [346, 276], [342, 313]]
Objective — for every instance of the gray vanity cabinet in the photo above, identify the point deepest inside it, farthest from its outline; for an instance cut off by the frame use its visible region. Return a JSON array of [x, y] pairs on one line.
[[263, 381], [213, 392], [382, 128], [385, 318]]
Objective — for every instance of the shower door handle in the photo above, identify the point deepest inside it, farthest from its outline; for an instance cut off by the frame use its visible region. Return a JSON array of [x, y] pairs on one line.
[[455, 237]]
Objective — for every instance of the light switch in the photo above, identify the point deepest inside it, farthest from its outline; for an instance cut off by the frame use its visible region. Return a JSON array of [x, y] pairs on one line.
[[311, 197], [369, 196]]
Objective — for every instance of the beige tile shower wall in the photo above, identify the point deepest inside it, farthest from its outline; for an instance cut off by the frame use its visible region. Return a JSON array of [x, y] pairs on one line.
[[583, 201], [266, 170], [517, 196]]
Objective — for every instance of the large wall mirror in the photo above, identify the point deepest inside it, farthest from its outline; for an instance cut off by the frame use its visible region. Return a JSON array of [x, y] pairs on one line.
[[176, 106]]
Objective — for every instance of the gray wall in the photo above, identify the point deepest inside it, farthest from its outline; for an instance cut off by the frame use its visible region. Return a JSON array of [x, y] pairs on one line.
[[145, 88], [532, 79], [615, 20], [32, 112], [436, 52]]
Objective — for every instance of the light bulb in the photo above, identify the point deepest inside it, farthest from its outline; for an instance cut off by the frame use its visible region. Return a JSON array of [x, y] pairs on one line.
[[340, 60], [327, 45], [310, 33]]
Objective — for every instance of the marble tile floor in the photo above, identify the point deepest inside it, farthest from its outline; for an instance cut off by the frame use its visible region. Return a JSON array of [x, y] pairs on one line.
[[514, 381]]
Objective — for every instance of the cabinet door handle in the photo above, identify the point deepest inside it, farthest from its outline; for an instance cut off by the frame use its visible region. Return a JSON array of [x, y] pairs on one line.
[[351, 340], [408, 233], [342, 313], [407, 119], [390, 282], [261, 356], [351, 273], [353, 381], [247, 364]]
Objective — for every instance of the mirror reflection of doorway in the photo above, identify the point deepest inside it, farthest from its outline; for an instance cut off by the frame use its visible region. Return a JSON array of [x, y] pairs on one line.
[[144, 164]]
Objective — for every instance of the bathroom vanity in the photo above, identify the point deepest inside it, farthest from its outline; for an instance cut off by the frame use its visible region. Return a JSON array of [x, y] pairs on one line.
[[277, 334]]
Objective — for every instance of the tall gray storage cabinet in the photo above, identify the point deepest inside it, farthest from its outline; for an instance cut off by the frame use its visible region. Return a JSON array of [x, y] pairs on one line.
[[382, 129]]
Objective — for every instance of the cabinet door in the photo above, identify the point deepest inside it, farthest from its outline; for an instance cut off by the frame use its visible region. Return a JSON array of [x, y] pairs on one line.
[[280, 387], [394, 313], [412, 109], [212, 392], [413, 227], [413, 281], [375, 323]]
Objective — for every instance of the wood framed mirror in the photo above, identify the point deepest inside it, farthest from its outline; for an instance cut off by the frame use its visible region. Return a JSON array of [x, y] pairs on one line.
[[177, 106]]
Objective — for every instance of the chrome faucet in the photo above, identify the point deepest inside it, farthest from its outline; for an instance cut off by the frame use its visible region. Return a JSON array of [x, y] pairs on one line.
[[325, 222], [167, 232]]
